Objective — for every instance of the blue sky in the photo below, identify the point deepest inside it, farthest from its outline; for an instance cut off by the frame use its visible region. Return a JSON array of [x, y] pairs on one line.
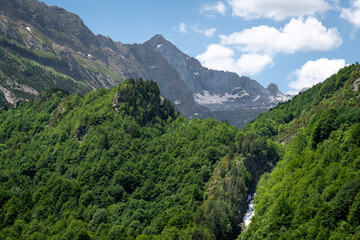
[[294, 44]]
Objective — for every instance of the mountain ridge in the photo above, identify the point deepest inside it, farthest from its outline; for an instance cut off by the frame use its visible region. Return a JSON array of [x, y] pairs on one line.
[[201, 79], [60, 40]]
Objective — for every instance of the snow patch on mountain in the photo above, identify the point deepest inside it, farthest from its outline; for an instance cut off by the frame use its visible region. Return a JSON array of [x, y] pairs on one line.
[[279, 98], [256, 98], [208, 98]]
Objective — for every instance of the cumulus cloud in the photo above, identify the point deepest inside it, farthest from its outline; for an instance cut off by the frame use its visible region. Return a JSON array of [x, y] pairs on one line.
[[352, 14], [252, 50], [253, 64], [277, 9], [297, 35], [313, 72], [212, 9], [182, 28], [219, 57]]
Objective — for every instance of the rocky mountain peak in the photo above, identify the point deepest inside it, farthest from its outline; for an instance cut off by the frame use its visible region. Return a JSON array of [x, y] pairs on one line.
[[273, 89], [157, 39]]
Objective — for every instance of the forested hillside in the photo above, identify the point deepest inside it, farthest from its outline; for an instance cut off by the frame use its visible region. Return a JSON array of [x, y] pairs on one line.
[[113, 164], [314, 191], [122, 164]]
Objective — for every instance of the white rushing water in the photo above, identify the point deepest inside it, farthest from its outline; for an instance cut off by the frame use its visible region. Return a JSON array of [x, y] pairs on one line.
[[250, 212]]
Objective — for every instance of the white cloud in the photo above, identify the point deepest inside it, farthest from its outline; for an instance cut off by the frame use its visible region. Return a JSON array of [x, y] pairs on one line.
[[277, 9], [352, 14], [182, 28], [253, 64], [313, 72], [212, 9], [297, 35], [219, 57], [209, 32]]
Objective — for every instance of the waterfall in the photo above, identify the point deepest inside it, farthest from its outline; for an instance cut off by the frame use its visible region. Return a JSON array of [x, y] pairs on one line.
[[249, 213]]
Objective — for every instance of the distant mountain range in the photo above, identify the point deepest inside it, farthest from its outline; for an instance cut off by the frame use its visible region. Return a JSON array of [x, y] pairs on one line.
[[45, 47]]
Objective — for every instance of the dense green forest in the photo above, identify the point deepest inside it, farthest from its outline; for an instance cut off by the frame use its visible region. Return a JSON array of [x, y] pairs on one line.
[[118, 164], [123, 164], [314, 191]]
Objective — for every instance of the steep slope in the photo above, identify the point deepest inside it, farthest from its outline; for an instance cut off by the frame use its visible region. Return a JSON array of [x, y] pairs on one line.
[[313, 192], [59, 43], [112, 164], [55, 41]]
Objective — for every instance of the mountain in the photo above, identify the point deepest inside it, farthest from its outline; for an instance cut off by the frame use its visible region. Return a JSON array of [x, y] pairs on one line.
[[66, 54], [65, 50], [218, 91]]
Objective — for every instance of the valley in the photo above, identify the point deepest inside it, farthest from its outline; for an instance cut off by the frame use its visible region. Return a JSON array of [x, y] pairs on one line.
[[105, 140]]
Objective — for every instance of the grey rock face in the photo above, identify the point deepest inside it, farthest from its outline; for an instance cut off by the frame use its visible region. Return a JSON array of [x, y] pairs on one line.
[[273, 89], [216, 90]]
